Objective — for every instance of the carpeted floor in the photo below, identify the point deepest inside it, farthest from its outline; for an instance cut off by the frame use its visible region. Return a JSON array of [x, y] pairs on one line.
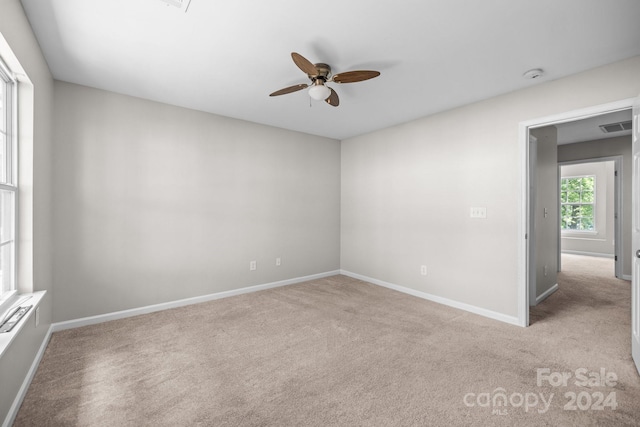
[[341, 352]]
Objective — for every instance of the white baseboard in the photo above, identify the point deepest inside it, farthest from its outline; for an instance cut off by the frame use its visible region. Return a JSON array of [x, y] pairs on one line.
[[595, 254], [546, 294], [13, 411], [624, 276], [92, 320], [513, 320]]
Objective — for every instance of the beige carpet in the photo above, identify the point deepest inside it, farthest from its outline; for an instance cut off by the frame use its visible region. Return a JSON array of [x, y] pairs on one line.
[[343, 352]]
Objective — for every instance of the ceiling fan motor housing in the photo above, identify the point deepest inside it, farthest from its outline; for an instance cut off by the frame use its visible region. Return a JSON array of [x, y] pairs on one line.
[[319, 74], [324, 72]]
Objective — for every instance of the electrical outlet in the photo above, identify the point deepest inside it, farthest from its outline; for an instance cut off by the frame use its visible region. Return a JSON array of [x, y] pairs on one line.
[[423, 270], [278, 262], [253, 266], [37, 316], [478, 212], [545, 270]]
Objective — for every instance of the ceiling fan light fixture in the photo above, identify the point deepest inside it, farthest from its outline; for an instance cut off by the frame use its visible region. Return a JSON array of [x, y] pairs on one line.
[[319, 92], [319, 74]]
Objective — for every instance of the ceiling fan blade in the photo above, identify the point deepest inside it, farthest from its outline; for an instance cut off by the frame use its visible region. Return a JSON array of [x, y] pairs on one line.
[[333, 99], [289, 89], [304, 64], [355, 76]]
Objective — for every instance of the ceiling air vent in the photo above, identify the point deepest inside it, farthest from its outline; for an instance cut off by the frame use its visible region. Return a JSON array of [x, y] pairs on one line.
[[616, 127]]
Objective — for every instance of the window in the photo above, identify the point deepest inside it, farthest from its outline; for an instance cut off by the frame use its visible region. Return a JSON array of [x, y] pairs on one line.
[[8, 188], [577, 203]]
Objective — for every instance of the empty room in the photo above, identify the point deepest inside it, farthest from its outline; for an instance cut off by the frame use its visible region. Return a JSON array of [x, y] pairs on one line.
[[339, 214]]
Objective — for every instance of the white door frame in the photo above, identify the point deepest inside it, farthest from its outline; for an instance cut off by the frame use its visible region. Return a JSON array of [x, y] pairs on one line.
[[531, 219], [523, 146], [618, 207], [635, 237]]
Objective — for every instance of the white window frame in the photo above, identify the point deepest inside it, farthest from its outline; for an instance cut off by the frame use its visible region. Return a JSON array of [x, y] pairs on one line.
[[593, 204], [10, 109]]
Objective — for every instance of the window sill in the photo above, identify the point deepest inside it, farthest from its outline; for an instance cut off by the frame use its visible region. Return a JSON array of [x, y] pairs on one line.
[[6, 338], [578, 233]]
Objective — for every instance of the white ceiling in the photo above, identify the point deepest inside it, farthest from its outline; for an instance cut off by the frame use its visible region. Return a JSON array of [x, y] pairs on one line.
[[225, 57]]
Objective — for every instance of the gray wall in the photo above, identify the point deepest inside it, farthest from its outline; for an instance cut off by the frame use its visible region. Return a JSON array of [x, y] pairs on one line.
[[546, 226], [619, 146], [156, 203], [407, 190], [35, 268], [600, 242]]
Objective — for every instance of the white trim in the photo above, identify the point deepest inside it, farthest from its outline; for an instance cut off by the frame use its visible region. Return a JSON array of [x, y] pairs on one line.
[[546, 294], [33, 299], [580, 235], [440, 300], [532, 162], [627, 277], [6, 300], [523, 230], [13, 411], [92, 320], [10, 162], [6, 72], [593, 254], [523, 146]]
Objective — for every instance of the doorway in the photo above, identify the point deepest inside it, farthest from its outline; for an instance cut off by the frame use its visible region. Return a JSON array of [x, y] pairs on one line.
[[526, 246], [591, 208]]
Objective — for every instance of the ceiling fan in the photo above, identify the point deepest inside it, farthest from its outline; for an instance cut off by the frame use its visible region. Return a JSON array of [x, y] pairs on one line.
[[320, 74]]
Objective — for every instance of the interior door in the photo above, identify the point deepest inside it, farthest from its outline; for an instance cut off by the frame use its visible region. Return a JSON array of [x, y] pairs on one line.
[[635, 239]]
